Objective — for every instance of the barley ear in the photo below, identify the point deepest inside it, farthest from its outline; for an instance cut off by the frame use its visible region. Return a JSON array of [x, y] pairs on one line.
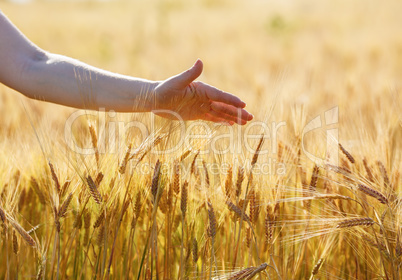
[[93, 190], [317, 267], [195, 250], [184, 155], [183, 202], [54, 177], [347, 223], [25, 235], [3, 216], [368, 170], [212, 220], [155, 180], [239, 181], [176, 177], [207, 182], [123, 165], [257, 151], [229, 183], [99, 220], [373, 193], [347, 154], [63, 208], [193, 163], [15, 243]]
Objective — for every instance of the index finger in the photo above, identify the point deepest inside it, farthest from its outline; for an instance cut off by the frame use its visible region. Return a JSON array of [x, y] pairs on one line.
[[218, 95]]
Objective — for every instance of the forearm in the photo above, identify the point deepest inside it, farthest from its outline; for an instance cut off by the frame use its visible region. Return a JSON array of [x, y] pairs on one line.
[[62, 80]]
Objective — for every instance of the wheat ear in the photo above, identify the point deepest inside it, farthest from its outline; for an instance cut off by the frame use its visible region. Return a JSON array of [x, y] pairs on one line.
[[347, 154], [93, 190], [355, 222], [373, 193]]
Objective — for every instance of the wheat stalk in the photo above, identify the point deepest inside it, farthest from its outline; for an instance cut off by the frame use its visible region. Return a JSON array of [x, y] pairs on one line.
[[229, 183], [239, 181], [93, 189], [212, 234], [193, 163], [195, 250], [347, 154], [3, 216], [87, 225], [257, 270], [371, 241], [255, 207], [54, 177], [248, 273], [398, 246], [184, 155], [373, 193], [64, 188], [331, 196], [384, 173], [355, 222], [155, 180], [63, 208], [101, 236], [15, 243], [123, 165], [157, 140], [99, 178], [212, 220], [269, 226], [314, 178], [176, 177], [78, 221], [257, 151], [94, 139], [207, 182], [316, 268], [99, 220], [237, 211], [183, 202], [241, 274], [28, 239], [137, 205], [368, 170], [39, 193]]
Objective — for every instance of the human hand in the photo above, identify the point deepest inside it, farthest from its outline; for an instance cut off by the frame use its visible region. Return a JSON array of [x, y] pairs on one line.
[[181, 96]]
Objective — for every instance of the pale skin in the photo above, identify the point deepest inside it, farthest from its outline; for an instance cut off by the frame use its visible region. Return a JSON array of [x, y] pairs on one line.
[[42, 75]]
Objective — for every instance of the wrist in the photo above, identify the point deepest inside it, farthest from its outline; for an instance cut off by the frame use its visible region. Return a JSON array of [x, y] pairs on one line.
[[154, 96], [141, 96]]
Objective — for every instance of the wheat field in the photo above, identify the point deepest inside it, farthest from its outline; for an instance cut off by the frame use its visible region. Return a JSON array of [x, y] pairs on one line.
[[310, 189]]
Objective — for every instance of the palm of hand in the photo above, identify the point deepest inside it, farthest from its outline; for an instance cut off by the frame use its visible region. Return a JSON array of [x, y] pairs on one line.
[[180, 98]]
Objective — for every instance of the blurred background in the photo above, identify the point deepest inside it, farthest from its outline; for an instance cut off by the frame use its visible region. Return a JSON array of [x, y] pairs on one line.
[[300, 57]]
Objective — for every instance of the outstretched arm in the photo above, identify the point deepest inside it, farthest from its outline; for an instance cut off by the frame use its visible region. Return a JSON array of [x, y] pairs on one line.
[[54, 78], [62, 80]]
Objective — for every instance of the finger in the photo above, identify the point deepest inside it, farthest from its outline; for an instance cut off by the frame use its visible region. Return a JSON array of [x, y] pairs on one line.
[[218, 95], [211, 118], [185, 78], [227, 117], [231, 111]]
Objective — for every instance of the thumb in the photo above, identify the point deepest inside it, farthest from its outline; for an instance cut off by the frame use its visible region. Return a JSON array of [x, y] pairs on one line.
[[185, 78]]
